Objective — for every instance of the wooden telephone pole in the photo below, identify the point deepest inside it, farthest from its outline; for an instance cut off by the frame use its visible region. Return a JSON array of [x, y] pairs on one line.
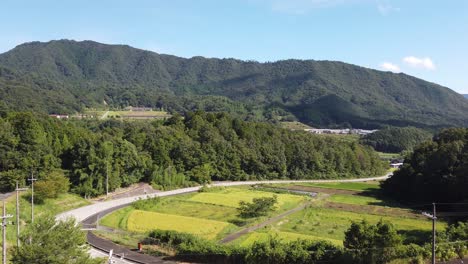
[[434, 218], [18, 213], [4, 224], [32, 180]]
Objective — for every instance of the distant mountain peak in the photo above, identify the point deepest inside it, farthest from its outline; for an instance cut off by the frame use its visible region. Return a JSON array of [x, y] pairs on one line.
[[68, 75]]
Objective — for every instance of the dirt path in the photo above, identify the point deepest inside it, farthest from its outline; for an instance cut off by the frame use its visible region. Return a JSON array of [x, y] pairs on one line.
[[244, 231], [104, 116]]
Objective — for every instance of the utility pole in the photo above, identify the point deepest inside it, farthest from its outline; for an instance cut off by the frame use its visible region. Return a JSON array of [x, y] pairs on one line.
[[433, 232], [4, 224], [107, 179], [18, 213], [32, 180], [434, 218]]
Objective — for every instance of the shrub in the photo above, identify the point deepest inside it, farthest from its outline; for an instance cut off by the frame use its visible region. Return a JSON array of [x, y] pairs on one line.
[[51, 186]]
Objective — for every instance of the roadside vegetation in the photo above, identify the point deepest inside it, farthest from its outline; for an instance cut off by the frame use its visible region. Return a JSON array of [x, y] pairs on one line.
[[44, 208]]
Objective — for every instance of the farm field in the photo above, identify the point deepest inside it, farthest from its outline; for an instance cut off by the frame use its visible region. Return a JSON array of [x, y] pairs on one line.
[[355, 199], [263, 235], [128, 114], [143, 221], [349, 186], [332, 223], [327, 216], [231, 197], [214, 213], [389, 156]]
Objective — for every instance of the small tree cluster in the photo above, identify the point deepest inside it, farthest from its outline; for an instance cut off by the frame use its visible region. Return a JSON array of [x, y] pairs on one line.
[[370, 244], [258, 207]]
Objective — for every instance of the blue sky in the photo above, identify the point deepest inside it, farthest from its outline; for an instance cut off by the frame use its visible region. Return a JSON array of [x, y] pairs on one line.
[[427, 39]]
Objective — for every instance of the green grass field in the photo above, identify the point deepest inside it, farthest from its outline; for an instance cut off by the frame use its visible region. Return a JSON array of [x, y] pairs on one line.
[[331, 223], [389, 156], [355, 199], [143, 221], [232, 196], [350, 186], [253, 237]]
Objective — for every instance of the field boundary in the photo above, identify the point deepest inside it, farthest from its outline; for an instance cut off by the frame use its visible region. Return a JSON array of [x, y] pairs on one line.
[[249, 229], [88, 215]]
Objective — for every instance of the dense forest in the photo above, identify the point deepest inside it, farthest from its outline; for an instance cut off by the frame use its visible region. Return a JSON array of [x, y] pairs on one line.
[[179, 151], [437, 171], [68, 76], [396, 139]]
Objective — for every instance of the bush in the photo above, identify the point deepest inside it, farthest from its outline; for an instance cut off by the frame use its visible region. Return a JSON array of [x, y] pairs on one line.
[[146, 204], [300, 251], [195, 249], [272, 251], [207, 188], [53, 184]]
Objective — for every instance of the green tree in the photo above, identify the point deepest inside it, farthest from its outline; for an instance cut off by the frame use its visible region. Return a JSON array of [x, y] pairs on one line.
[[51, 185], [370, 244], [258, 207], [49, 242], [437, 170]]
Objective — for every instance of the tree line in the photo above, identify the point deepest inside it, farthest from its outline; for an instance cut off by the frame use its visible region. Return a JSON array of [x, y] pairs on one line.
[[396, 139], [436, 171], [180, 151]]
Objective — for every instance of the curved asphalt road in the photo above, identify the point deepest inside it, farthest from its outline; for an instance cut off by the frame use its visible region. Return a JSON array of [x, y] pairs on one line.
[[84, 212], [88, 215]]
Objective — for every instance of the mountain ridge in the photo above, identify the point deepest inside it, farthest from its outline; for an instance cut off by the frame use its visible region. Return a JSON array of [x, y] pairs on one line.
[[324, 93]]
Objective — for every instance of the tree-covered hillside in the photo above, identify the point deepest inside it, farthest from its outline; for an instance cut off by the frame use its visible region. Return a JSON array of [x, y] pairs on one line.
[[65, 76], [396, 139], [437, 171], [176, 152]]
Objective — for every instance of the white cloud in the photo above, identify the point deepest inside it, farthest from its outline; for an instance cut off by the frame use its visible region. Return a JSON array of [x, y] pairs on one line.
[[415, 62], [385, 7], [388, 66], [302, 6]]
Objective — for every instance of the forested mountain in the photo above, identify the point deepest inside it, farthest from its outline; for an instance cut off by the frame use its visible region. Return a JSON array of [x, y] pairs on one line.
[[176, 152], [66, 76]]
